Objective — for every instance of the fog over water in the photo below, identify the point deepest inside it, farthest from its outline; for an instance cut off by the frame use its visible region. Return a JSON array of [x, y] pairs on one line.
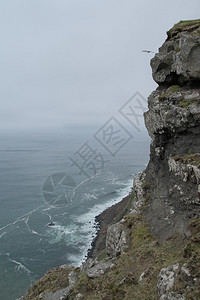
[[65, 63], [74, 82]]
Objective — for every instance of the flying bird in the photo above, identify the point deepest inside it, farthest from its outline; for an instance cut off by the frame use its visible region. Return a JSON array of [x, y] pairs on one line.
[[148, 51]]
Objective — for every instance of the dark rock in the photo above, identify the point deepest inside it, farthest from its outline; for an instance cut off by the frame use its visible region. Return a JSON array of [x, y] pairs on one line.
[[178, 60], [51, 224]]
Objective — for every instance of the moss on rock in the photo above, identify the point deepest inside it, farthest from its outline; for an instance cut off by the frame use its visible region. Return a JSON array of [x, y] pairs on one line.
[[147, 256], [192, 158], [172, 89], [187, 25]]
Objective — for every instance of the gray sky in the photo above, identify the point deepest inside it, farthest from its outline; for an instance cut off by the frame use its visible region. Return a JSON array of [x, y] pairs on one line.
[[66, 63]]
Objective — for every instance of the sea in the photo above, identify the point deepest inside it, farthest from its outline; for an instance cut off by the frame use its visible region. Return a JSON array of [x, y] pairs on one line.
[[52, 185]]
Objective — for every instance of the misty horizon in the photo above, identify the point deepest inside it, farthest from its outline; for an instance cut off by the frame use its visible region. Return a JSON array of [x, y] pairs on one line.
[[70, 64]]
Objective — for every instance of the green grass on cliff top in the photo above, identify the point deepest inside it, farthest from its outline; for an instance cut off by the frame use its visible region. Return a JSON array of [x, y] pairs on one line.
[[187, 25]]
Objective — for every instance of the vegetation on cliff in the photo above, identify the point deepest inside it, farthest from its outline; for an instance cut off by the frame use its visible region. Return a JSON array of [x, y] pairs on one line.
[[135, 274], [150, 247], [188, 25]]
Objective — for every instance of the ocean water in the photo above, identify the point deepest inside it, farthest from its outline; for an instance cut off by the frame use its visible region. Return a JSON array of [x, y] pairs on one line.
[[52, 185]]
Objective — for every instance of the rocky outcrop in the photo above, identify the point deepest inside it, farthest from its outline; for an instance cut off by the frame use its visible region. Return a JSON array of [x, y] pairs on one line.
[[117, 239], [173, 122], [178, 60], [140, 193], [56, 284], [60, 294], [99, 269], [94, 268], [173, 110], [169, 277], [166, 279]]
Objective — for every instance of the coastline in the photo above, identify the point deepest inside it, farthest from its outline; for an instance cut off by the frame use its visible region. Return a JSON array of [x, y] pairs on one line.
[[109, 216]]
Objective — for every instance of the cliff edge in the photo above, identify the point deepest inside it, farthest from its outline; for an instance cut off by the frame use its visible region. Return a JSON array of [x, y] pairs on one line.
[[152, 250], [173, 122]]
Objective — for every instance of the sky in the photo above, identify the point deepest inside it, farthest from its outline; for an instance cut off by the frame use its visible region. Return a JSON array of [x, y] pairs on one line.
[[75, 63]]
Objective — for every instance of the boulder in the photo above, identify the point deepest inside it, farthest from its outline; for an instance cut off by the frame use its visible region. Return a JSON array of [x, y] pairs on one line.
[[166, 279], [99, 269], [58, 295]]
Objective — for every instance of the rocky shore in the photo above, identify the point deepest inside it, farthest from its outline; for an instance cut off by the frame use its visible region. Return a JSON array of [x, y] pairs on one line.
[[148, 246], [108, 217]]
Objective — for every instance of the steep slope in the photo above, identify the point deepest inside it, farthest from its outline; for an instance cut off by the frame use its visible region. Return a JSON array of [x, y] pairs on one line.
[[173, 122], [153, 252]]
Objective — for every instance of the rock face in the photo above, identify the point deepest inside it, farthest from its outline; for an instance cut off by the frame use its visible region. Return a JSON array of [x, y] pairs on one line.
[[173, 122], [99, 269], [117, 239], [152, 244], [94, 268], [170, 276], [178, 60], [60, 294]]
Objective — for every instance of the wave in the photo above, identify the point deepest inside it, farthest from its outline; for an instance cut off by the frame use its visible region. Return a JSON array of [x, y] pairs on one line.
[[20, 267], [88, 226], [81, 229], [10, 227]]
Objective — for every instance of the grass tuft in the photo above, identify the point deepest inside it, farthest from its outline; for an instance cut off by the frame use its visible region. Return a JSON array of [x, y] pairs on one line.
[[186, 25]]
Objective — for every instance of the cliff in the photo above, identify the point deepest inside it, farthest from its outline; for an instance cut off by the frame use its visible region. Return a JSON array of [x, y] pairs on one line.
[[152, 249]]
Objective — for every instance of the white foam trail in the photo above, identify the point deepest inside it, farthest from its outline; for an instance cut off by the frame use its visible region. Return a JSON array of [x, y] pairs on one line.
[[22, 218], [29, 229], [35, 232], [4, 233], [88, 196], [57, 232], [20, 266], [88, 228]]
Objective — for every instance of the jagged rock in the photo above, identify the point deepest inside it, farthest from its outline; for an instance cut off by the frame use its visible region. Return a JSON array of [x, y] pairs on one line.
[[185, 274], [184, 170], [72, 277], [173, 122], [99, 269], [117, 239], [175, 296], [178, 60], [93, 268], [166, 279], [61, 294], [170, 109], [89, 263], [139, 193], [58, 295]]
